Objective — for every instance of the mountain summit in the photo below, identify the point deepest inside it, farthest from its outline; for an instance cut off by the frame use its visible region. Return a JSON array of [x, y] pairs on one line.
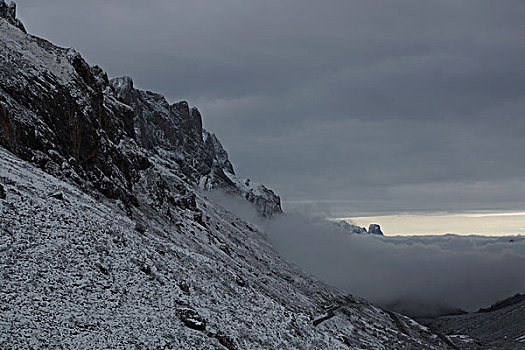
[[109, 238]]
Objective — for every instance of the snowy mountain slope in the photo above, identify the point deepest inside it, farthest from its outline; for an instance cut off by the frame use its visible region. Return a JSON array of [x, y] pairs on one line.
[[79, 272], [108, 241], [500, 328]]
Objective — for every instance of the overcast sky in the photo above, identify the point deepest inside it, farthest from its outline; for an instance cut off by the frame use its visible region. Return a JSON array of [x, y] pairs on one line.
[[348, 107]]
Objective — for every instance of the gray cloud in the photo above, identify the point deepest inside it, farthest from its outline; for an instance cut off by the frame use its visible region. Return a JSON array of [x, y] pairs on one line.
[[422, 276], [366, 106], [465, 272]]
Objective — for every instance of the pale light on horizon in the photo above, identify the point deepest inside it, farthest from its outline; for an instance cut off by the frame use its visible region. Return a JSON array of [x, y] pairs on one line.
[[468, 223]]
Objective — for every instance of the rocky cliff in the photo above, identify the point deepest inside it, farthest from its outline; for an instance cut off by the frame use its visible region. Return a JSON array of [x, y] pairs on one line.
[[70, 119]]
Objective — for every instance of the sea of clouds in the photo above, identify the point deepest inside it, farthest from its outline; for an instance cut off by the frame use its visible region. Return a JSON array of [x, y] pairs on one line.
[[419, 275]]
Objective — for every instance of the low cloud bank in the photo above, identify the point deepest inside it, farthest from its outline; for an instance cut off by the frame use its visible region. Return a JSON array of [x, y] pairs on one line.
[[422, 276], [425, 275]]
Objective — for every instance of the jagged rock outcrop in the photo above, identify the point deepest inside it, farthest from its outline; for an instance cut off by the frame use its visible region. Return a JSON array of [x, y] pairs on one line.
[[8, 12], [69, 118], [346, 227], [219, 154], [375, 229]]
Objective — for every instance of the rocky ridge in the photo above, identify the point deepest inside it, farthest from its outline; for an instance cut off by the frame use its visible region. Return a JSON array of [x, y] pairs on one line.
[[341, 225], [70, 119]]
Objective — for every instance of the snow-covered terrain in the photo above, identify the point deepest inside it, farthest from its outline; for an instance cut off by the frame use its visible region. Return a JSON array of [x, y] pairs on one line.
[[500, 327], [78, 272], [107, 240]]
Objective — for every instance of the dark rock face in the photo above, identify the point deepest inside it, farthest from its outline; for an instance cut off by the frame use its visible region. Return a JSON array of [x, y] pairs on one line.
[[8, 12], [192, 319], [219, 154], [71, 120], [225, 341], [57, 195], [375, 229]]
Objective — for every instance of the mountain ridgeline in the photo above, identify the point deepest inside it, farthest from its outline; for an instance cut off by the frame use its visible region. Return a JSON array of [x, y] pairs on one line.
[[110, 238], [70, 119]]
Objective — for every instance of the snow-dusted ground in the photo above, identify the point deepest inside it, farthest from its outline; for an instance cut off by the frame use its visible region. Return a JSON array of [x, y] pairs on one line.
[[502, 328], [77, 272]]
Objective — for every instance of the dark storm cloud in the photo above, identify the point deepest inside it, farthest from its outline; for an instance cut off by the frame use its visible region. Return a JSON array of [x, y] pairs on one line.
[[366, 105]]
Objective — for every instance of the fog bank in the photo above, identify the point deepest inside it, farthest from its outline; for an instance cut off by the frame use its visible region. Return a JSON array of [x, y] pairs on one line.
[[444, 271], [423, 275]]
